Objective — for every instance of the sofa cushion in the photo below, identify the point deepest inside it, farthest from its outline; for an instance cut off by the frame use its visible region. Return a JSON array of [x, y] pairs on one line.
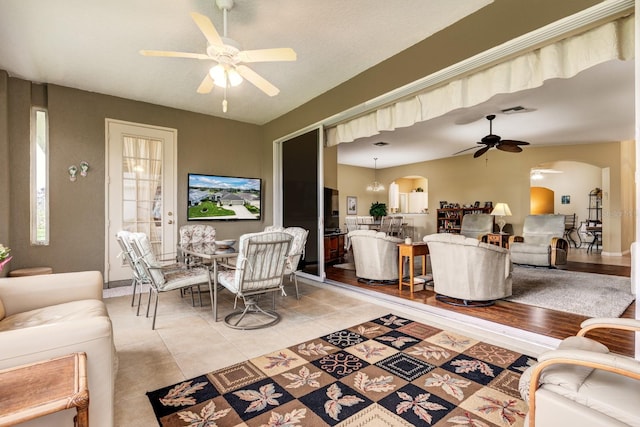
[[568, 377], [73, 311]]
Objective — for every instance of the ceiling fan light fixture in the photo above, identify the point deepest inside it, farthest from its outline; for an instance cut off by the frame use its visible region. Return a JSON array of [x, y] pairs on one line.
[[223, 76], [375, 186], [536, 176], [234, 77]]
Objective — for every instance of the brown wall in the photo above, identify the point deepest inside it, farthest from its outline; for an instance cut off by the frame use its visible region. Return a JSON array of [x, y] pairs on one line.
[[5, 194], [77, 132]]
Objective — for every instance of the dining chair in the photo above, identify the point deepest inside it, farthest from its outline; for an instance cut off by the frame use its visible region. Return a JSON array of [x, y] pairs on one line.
[[392, 225], [123, 238], [165, 280], [351, 223], [194, 234], [296, 253], [259, 270]]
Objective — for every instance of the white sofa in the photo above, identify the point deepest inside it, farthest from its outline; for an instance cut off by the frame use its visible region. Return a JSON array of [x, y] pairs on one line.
[[42, 317], [375, 255], [582, 384], [468, 270]]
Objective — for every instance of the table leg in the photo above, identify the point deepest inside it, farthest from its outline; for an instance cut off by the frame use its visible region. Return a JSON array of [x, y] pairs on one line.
[[411, 273], [400, 272], [214, 302]]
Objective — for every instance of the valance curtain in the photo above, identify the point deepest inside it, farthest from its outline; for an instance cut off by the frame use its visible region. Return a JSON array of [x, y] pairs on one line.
[[561, 59]]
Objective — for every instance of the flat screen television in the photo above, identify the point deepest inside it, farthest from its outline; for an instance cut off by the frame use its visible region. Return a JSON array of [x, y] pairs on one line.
[[217, 197]]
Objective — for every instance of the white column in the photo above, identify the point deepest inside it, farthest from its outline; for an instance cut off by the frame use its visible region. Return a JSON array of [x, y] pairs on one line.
[[635, 262]]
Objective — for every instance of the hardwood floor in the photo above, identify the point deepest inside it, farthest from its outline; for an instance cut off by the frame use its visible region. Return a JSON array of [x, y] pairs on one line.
[[547, 322]]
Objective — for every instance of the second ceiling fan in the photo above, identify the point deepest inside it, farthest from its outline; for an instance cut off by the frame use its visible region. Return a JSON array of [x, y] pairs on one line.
[[491, 140], [230, 68]]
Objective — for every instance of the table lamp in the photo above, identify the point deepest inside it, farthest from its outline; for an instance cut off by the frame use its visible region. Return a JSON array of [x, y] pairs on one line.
[[501, 210]]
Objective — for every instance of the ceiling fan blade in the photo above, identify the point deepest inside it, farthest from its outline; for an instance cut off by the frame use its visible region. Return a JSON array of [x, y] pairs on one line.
[[513, 142], [480, 152], [257, 80], [509, 147], [207, 28], [206, 85], [462, 151], [170, 54], [266, 55]]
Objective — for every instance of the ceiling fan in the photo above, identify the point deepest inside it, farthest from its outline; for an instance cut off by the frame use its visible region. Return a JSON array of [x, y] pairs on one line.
[[230, 69], [492, 140]]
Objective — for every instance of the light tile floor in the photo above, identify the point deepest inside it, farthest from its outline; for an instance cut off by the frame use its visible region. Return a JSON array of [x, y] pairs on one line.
[[187, 341]]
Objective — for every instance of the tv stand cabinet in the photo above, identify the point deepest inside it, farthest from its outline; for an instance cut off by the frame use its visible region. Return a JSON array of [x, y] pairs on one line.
[[333, 247]]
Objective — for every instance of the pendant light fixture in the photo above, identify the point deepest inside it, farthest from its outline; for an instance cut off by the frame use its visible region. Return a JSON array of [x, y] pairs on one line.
[[375, 186]]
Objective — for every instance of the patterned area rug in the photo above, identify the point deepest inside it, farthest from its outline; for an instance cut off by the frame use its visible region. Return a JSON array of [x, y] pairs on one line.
[[390, 371]]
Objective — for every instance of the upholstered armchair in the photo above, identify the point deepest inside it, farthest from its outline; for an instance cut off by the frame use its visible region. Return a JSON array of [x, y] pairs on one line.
[[582, 384], [375, 256], [467, 271], [542, 243], [476, 225]]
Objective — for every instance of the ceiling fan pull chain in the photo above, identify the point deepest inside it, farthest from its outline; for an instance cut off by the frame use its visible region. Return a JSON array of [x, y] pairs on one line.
[[224, 101]]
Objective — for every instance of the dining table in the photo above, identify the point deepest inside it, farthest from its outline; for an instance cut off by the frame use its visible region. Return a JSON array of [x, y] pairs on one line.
[[219, 254]]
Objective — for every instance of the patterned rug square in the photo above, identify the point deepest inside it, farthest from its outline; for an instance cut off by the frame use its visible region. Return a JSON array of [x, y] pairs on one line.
[[388, 371]]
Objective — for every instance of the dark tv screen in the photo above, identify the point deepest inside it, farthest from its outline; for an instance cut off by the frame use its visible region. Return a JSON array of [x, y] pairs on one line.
[[217, 197]]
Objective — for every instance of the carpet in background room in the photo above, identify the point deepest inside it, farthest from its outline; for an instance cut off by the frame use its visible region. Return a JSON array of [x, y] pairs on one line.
[[388, 371], [587, 294]]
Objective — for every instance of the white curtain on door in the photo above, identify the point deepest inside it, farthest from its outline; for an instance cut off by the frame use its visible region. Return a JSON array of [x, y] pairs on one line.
[[562, 59]]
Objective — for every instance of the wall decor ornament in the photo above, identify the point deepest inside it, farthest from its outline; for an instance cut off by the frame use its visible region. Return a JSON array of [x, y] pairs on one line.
[[84, 168], [73, 171]]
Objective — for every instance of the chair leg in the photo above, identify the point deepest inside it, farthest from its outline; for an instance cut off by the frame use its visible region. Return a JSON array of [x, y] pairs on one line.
[[155, 310], [134, 282], [295, 281], [149, 302], [140, 300]]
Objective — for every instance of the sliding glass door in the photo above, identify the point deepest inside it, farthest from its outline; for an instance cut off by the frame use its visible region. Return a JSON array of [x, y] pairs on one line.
[[300, 200]]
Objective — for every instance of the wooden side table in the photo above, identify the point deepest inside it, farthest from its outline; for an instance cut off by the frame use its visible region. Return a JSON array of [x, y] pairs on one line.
[[413, 250], [498, 239], [42, 388]]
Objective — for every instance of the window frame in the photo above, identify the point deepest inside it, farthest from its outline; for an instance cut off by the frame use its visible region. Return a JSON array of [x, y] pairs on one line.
[[34, 207]]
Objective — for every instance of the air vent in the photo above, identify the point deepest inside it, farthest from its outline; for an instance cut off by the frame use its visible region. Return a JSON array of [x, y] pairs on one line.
[[381, 143]]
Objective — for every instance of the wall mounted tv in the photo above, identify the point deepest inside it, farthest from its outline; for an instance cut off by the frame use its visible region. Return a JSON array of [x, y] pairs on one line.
[[216, 197]]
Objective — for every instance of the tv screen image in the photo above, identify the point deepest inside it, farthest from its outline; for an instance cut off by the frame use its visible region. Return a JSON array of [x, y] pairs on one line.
[[217, 197]]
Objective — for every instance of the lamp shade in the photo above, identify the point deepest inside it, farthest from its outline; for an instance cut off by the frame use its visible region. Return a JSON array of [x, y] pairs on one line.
[[501, 209]]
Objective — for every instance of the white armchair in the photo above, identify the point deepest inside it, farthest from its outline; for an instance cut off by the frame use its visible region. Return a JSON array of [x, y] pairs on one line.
[[542, 243], [476, 225], [467, 271], [375, 256], [53, 315], [582, 384]]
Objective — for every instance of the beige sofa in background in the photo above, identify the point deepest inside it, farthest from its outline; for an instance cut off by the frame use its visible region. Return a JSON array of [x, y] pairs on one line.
[[375, 255], [42, 317], [468, 270]]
